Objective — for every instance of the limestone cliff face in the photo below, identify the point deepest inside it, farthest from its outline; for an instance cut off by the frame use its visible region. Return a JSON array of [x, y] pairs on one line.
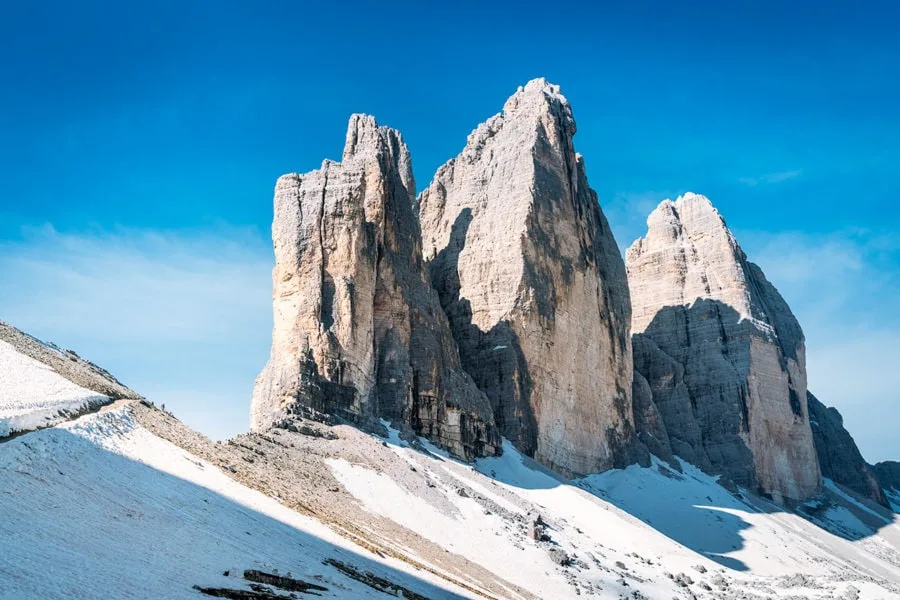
[[533, 283], [359, 332], [839, 457], [722, 353]]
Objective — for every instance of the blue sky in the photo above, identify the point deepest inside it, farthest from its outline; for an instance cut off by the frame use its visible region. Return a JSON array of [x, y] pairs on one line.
[[140, 146]]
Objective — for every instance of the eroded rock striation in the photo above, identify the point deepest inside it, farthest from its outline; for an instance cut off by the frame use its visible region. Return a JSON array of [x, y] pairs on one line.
[[359, 333], [533, 283], [722, 353], [839, 457]]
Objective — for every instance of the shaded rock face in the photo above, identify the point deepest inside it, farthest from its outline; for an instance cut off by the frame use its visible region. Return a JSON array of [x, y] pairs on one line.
[[532, 281], [359, 332], [648, 422], [888, 474], [839, 458], [722, 353]]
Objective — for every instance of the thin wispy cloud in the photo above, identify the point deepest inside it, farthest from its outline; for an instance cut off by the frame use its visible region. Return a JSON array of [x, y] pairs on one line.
[[771, 178], [183, 317]]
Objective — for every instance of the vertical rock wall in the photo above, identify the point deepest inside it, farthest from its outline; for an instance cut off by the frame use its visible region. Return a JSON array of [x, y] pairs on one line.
[[534, 285], [722, 353], [359, 332]]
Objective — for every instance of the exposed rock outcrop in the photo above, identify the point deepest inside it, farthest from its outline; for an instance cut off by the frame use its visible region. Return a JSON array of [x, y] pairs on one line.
[[888, 474], [722, 353], [42, 385], [67, 363], [359, 333], [839, 457], [534, 285]]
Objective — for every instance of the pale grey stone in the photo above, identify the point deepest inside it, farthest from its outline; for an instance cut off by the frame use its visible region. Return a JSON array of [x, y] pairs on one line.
[[534, 285], [722, 353], [359, 333]]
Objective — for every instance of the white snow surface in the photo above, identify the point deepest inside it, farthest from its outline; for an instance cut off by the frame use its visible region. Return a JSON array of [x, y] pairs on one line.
[[101, 508], [33, 395], [638, 530]]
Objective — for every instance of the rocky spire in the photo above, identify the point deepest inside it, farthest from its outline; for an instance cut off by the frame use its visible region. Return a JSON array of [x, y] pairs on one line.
[[359, 332], [722, 353], [534, 285]]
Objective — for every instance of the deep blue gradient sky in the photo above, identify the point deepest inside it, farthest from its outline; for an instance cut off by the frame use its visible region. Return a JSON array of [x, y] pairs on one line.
[[139, 146]]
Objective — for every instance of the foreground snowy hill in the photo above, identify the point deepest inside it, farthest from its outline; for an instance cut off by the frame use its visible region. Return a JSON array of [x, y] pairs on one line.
[[130, 503], [125, 501], [42, 384], [101, 508]]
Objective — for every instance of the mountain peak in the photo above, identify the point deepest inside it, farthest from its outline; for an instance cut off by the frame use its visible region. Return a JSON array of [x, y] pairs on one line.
[[540, 99], [524, 262], [699, 305]]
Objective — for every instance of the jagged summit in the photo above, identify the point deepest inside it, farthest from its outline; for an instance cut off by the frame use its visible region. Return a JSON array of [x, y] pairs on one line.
[[534, 285], [721, 351], [359, 333], [715, 266], [537, 96]]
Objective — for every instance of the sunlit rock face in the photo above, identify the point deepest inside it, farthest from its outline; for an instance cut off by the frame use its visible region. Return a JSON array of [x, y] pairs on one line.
[[722, 353], [359, 333], [534, 285]]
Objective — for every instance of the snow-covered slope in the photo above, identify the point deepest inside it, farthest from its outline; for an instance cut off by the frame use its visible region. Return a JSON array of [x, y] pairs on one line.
[[42, 384], [105, 507], [651, 533], [101, 508], [130, 503], [33, 395]]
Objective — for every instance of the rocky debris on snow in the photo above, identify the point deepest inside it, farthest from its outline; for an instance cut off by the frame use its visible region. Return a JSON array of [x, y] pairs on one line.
[[722, 355], [559, 556], [289, 584], [261, 584], [839, 457], [537, 529], [370, 579], [293, 468], [533, 283], [42, 385], [256, 592], [359, 332]]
